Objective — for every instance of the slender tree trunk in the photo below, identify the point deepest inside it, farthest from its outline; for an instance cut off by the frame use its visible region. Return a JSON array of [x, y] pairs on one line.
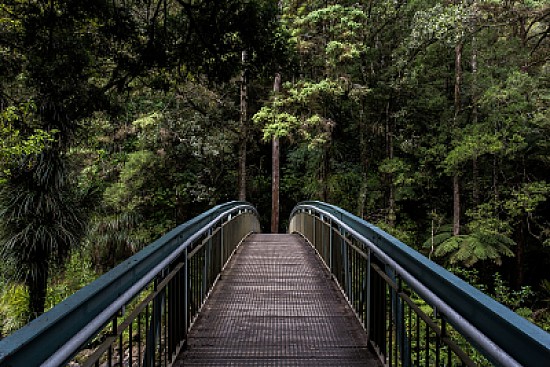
[[275, 154], [457, 108], [473, 63], [475, 183], [520, 249], [325, 167], [456, 205], [244, 130], [389, 153], [364, 163]]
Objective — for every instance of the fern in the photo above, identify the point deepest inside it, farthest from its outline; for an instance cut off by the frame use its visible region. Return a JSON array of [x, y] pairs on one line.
[[468, 249], [444, 233]]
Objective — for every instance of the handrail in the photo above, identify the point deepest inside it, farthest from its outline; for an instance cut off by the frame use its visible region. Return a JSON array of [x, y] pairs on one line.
[[503, 336], [56, 335]]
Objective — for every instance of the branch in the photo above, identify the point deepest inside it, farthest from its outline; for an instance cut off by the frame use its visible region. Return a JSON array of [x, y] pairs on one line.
[[539, 42]]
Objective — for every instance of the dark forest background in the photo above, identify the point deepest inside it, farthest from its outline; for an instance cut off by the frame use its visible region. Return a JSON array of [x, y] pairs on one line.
[[120, 119]]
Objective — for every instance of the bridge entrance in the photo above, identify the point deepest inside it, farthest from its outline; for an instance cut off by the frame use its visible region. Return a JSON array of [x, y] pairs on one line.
[[276, 304]]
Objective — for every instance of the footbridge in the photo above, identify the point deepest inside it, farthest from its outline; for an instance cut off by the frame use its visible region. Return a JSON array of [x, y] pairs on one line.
[[333, 291]]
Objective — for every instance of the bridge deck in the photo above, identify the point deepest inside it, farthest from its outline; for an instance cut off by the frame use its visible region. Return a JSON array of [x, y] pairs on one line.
[[276, 305]]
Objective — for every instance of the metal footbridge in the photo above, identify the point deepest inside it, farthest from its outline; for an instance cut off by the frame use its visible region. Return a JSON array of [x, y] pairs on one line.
[[334, 291]]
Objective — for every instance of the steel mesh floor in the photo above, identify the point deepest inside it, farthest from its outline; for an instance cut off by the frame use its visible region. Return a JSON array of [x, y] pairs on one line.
[[276, 305]]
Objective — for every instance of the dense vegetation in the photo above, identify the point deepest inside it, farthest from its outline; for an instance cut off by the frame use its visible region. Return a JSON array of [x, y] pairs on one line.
[[120, 119]]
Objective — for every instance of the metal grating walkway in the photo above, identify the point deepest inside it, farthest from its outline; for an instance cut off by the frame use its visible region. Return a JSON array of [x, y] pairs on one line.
[[276, 305]]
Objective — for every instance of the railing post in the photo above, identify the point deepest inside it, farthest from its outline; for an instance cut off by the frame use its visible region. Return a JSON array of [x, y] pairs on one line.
[[331, 239], [222, 245], [205, 268], [401, 327], [345, 263], [154, 329], [321, 245], [314, 237], [368, 295], [186, 293]]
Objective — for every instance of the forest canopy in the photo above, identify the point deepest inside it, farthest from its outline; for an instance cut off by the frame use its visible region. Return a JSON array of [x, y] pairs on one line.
[[121, 119]]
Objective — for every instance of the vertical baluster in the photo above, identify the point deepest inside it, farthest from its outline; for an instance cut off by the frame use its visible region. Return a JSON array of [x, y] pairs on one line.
[[427, 331], [222, 244], [369, 306], [167, 307], [437, 348], [331, 254], [131, 343], [390, 326], [409, 332], [418, 340], [186, 293], [140, 337], [120, 342]]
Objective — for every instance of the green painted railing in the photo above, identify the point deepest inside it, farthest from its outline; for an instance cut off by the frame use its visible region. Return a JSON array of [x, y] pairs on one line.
[[139, 312], [414, 311]]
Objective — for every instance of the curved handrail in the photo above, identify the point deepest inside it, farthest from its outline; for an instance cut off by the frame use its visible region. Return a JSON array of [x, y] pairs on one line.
[[503, 333], [64, 328]]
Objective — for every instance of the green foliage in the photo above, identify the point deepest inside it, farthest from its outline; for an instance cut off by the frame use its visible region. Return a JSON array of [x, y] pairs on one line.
[[515, 299], [275, 124], [76, 273], [144, 106], [298, 114], [518, 301], [473, 145], [14, 297], [405, 231], [404, 178], [112, 238], [14, 145], [467, 249], [526, 199], [14, 301], [342, 26], [438, 23]]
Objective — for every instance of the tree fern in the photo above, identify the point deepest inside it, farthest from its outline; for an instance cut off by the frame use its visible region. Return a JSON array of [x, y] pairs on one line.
[[470, 248]]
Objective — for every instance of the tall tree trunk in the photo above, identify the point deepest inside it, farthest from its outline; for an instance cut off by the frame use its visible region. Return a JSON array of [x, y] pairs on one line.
[[520, 249], [473, 64], [456, 205], [389, 153], [364, 163], [244, 130], [275, 155], [457, 108], [475, 183]]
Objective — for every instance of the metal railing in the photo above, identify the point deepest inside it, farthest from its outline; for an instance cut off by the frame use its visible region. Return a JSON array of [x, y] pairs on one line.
[[415, 312], [139, 313]]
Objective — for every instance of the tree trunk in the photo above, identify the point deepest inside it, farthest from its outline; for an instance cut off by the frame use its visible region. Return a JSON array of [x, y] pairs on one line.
[[275, 186], [275, 154], [364, 163], [244, 131], [324, 173], [520, 249], [473, 64], [456, 205], [389, 153], [475, 183], [457, 108], [37, 284]]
